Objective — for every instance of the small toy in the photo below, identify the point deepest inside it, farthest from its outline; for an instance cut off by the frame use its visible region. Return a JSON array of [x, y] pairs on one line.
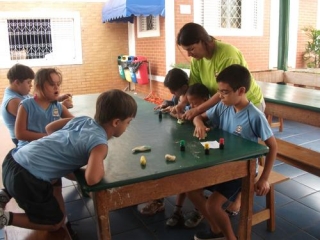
[[170, 158], [180, 121], [143, 160], [206, 148], [221, 143], [143, 148], [182, 146]]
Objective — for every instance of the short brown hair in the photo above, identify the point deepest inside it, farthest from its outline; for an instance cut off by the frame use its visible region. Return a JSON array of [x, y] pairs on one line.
[[114, 104], [20, 72]]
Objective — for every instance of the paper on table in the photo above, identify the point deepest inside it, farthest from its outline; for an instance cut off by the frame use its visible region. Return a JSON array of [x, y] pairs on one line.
[[212, 144]]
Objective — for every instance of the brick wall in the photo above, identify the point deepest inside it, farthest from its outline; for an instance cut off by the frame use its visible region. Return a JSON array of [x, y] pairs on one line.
[[101, 44]]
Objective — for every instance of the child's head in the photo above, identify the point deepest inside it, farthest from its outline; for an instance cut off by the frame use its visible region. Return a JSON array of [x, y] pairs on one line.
[[115, 105], [177, 81], [197, 94], [21, 77], [47, 83], [233, 79]]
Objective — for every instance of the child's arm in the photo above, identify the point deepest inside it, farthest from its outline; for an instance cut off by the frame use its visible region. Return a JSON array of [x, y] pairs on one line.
[[201, 129], [57, 125], [94, 171], [21, 130], [65, 112], [13, 106], [262, 186]]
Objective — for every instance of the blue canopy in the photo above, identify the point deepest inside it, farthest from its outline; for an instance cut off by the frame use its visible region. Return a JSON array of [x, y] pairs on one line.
[[124, 10]]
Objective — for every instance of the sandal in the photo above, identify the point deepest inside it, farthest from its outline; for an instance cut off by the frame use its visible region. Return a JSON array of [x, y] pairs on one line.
[[232, 213]]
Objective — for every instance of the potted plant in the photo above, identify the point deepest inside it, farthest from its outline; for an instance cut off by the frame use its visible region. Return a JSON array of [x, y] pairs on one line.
[[312, 52]]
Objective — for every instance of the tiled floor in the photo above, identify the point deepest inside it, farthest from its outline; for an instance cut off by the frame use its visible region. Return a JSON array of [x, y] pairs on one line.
[[297, 203]]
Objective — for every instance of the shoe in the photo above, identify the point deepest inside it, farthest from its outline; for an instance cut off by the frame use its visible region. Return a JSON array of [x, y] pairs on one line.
[[232, 213], [73, 235], [208, 235], [4, 199], [3, 219], [153, 207], [193, 219], [175, 220]]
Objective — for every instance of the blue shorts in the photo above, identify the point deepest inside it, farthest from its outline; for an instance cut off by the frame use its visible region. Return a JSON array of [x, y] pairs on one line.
[[33, 195], [229, 189]]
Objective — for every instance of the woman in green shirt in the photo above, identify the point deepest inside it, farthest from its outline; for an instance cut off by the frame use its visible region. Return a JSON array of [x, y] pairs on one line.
[[209, 58]]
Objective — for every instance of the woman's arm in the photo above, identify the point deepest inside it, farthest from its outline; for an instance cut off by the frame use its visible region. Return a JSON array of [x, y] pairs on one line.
[[202, 108]]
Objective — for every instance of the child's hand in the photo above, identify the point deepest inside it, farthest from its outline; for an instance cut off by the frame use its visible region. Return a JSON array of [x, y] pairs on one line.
[[261, 187], [63, 97], [200, 131], [68, 103]]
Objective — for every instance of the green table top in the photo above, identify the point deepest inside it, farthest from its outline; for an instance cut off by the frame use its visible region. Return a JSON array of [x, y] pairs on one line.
[[122, 167], [297, 97]]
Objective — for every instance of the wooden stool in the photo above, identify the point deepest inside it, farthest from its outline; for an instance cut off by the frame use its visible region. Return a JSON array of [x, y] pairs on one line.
[[275, 124], [269, 212]]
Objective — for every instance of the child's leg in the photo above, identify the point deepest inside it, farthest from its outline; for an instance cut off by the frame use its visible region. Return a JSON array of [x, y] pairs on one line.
[[179, 201], [177, 217], [220, 222], [22, 220], [234, 207]]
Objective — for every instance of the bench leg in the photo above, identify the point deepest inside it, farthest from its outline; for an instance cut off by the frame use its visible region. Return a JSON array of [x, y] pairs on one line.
[[271, 222]]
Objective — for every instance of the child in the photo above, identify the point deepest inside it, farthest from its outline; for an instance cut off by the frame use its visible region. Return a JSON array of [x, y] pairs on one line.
[[38, 111], [176, 81], [196, 95], [30, 175], [237, 115], [20, 79]]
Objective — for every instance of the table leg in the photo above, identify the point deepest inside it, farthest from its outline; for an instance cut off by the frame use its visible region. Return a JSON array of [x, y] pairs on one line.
[[102, 215], [245, 224]]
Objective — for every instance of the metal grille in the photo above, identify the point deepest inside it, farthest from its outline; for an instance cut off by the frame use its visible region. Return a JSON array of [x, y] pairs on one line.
[[231, 14], [29, 38]]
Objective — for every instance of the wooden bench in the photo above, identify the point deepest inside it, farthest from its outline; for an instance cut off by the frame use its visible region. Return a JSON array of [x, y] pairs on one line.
[[299, 157], [268, 213], [294, 155]]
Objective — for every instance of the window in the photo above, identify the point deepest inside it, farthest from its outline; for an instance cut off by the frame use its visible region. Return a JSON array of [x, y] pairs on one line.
[[40, 39], [230, 17], [148, 26]]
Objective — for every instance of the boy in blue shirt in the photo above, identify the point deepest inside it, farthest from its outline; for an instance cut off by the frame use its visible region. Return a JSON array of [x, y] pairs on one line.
[[235, 114], [31, 175]]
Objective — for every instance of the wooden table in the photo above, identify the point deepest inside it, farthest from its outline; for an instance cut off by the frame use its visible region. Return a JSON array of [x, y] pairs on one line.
[[127, 183], [292, 103]]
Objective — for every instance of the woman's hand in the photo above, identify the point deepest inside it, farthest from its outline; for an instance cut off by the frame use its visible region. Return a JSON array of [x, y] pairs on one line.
[[190, 114]]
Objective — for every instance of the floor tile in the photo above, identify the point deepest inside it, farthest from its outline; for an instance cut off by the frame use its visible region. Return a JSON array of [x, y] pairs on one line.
[[293, 189], [309, 180], [312, 201], [298, 214], [288, 170]]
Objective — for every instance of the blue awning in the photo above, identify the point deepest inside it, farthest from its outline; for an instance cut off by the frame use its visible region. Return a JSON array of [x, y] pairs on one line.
[[124, 10]]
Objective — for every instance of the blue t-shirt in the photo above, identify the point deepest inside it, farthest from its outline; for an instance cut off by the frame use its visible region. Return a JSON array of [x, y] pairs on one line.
[[250, 123], [63, 151], [8, 118], [38, 118]]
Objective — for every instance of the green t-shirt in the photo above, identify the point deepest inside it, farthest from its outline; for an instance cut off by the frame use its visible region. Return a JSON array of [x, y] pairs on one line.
[[205, 70]]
